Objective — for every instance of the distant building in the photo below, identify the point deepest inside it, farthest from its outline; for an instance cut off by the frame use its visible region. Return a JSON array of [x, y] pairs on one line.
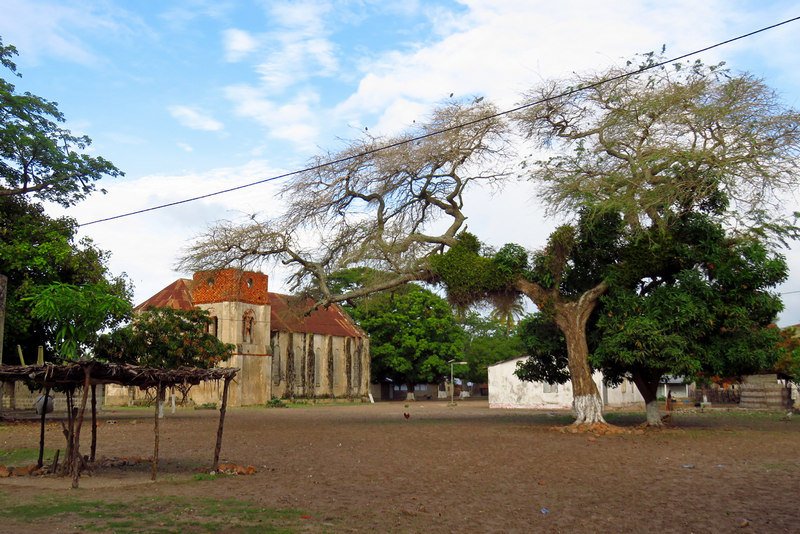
[[282, 351], [506, 390]]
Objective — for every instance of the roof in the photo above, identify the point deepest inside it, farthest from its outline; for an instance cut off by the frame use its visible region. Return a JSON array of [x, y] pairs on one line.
[[177, 295], [73, 374], [289, 315]]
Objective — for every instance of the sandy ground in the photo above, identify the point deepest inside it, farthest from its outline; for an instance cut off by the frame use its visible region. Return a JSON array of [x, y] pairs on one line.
[[366, 468]]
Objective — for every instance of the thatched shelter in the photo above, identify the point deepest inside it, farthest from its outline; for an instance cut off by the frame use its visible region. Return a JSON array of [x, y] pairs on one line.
[[87, 374]]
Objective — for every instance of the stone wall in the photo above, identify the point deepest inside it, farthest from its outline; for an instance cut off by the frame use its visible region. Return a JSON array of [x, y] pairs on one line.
[[764, 392], [319, 366]]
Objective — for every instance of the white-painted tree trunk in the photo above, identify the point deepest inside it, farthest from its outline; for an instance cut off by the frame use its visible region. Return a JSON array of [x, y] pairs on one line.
[[653, 413], [587, 409]]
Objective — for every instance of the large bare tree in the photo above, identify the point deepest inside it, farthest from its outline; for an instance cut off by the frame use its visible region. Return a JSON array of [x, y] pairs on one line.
[[384, 202]]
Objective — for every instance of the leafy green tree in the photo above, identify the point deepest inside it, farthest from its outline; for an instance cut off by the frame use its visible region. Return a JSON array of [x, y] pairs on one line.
[[687, 302], [166, 338], [76, 315], [413, 335], [788, 364], [40, 160], [38, 157], [488, 341], [36, 251]]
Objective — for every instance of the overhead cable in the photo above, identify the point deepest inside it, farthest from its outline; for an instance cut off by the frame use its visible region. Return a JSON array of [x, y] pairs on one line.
[[445, 130]]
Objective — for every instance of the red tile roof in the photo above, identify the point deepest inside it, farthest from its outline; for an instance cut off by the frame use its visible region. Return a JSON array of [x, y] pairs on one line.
[[177, 295], [289, 315]]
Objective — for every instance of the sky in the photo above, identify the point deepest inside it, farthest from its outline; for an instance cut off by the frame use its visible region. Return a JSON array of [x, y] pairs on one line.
[[189, 97]]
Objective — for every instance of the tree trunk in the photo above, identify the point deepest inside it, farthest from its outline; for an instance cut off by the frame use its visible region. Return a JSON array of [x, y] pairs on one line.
[[648, 387], [587, 406], [571, 318]]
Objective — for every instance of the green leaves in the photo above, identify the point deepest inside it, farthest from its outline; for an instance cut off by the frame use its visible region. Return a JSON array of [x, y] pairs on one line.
[[77, 314], [163, 337], [412, 335], [37, 157]]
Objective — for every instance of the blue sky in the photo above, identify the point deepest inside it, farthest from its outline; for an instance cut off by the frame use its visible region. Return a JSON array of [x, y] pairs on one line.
[[192, 96]]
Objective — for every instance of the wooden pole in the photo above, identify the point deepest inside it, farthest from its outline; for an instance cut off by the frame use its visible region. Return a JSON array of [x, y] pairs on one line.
[[155, 430], [41, 431], [3, 292], [76, 447], [94, 422], [222, 411]]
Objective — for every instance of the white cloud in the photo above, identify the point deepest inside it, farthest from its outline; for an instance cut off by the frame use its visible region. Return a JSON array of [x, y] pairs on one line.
[[42, 28], [186, 147], [238, 44], [146, 246], [194, 118], [294, 120]]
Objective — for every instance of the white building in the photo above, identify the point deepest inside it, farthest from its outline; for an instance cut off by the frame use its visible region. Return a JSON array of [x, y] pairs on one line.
[[508, 391]]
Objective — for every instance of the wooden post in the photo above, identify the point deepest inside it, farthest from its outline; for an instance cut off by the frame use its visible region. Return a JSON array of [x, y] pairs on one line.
[[155, 430], [21, 359], [222, 411], [41, 431], [94, 422], [77, 439], [3, 292]]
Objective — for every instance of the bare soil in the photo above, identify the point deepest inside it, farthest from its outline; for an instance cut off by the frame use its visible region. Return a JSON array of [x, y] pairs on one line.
[[366, 468]]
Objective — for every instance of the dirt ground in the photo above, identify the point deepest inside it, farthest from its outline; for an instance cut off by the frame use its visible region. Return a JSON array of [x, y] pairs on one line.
[[366, 468]]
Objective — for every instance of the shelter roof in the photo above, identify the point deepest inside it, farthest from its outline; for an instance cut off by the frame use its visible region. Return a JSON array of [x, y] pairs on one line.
[[74, 374]]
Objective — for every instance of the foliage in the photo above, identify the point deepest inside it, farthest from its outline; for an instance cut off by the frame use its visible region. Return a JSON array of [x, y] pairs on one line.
[[701, 303], [167, 338], [487, 341], [546, 349], [412, 336], [77, 314], [788, 364], [35, 251], [674, 139], [37, 156], [473, 276]]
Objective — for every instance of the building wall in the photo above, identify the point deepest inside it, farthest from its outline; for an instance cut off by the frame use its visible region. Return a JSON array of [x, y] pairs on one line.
[[308, 365], [508, 391]]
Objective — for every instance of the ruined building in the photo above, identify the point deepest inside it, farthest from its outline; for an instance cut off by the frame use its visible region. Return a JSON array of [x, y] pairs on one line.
[[282, 352]]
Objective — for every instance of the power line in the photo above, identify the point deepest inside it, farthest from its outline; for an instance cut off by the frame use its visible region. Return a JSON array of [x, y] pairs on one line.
[[444, 130]]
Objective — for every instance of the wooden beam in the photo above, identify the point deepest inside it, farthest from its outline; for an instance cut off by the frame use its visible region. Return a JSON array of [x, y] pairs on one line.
[[41, 431]]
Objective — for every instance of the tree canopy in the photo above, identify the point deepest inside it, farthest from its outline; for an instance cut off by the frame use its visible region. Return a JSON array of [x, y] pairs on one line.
[[412, 333], [36, 251], [76, 314], [38, 157], [165, 338]]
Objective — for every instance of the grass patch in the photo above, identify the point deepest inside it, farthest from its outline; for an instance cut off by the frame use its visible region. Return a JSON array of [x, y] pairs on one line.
[[163, 514], [24, 456]]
